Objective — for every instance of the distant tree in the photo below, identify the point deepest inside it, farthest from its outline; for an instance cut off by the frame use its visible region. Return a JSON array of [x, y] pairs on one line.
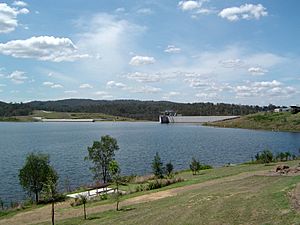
[[35, 173], [195, 166], [101, 154], [1, 204], [115, 172], [287, 156], [266, 156], [169, 168], [83, 198], [157, 166], [50, 191]]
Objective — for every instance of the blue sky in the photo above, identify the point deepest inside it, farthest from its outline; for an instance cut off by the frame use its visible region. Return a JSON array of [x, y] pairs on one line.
[[185, 51]]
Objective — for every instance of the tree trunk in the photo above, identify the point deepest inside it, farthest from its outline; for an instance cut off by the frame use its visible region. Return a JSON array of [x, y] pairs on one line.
[[52, 212], [117, 196], [84, 211], [36, 197]]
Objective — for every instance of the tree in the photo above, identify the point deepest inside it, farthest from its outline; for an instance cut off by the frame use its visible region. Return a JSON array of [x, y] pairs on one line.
[[1, 204], [287, 156], [50, 190], [35, 173], [195, 166], [169, 168], [83, 198], [115, 172], [101, 154], [266, 156], [157, 166]]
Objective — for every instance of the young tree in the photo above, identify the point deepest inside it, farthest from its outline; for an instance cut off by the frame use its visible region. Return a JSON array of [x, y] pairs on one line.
[[195, 166], [1, 204], [287, 156], [50, 191], [115, 172], [266, 156], [169, 168], [83, 198], [157, 166], [101, 154], [35, 173]]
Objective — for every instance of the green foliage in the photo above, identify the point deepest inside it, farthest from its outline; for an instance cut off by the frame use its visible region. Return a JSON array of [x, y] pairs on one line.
[[101, 154], [196, 166], [169, 169], [50, 190], [1, 204], [156, 184], [83, 199], [157, 166], [115, 172], [265, 156], [36, 173], [14, 109]]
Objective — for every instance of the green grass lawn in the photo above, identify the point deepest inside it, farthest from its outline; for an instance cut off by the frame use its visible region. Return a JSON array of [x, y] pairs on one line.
[[283, 121], [254, 200]]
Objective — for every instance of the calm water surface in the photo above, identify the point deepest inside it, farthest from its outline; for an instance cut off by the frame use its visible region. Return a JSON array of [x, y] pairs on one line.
[[67, 143]]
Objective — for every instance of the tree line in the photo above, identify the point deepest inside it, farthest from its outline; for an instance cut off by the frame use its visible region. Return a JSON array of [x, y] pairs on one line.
[[143, 110]]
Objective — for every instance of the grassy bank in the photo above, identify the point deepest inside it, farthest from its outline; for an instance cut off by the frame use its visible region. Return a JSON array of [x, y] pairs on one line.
[[283, 121], [225, 195], [64, 115]]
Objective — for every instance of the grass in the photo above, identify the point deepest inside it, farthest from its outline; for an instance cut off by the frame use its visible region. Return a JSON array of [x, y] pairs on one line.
[[252, 200], [255, 200], [64, 115], [283, 121]]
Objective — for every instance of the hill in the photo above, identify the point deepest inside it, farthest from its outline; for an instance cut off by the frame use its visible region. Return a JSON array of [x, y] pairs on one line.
[[284, 121], [141, 110]]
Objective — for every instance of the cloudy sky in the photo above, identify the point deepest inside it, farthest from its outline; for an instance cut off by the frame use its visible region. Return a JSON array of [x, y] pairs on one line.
[[231, 51]]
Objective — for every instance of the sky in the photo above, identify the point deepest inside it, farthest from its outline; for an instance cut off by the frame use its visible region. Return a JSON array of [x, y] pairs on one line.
[[234, 51]]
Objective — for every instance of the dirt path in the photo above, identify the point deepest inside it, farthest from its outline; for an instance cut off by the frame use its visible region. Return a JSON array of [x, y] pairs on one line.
[[64, 210]]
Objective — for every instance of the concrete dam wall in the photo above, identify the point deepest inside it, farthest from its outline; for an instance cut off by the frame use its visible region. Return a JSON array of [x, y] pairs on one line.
[[193, 119]]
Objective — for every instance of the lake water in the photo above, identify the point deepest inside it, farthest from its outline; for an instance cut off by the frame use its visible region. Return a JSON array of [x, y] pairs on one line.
[[67, 143]]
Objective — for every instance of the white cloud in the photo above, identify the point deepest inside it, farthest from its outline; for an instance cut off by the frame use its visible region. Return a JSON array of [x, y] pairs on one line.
[[231, 63], [48, 83], [19, 3], [207, 96], [264, 89], [44, 48], [52, 85], [114, 84], [257, 71], [56, 86], [247, 11], [85, 86], [18, 77], [141, 60], [8, 17], [143, 77], [189, 5], [71, 92], [110, 37], [145, 11], [120, 10], [145, 90], [172, 49]]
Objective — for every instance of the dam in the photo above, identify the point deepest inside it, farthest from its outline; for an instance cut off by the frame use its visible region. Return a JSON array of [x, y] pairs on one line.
[[172, 117]]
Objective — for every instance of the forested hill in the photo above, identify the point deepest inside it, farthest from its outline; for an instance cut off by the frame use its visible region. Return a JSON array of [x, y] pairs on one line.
[[14, 109], [146, 110]]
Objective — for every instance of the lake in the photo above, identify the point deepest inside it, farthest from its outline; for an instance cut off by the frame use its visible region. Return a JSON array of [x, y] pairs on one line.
[[67, 143]]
